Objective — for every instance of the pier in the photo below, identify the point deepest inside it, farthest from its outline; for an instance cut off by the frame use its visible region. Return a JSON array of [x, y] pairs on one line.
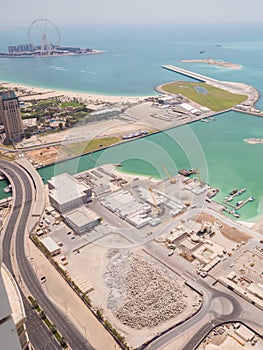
[[201, 78]]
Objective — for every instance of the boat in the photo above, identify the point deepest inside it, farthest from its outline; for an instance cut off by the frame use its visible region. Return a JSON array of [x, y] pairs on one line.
[[236, 214], [251, 199], [228, 198], [186, 172], [202, 51], [8, 189], [118, 164], [233, 192], [204, 120], [241, 191], [239, 203]]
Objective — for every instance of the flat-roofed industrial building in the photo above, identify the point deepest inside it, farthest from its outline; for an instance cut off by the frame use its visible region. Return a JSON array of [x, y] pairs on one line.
[[66, 193], [82, 220]]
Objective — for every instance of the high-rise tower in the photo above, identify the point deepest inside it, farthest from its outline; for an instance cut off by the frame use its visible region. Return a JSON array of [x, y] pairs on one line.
[[10, 116]]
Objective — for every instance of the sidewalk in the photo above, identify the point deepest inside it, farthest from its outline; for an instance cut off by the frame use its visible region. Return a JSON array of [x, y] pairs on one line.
[[67, 300]]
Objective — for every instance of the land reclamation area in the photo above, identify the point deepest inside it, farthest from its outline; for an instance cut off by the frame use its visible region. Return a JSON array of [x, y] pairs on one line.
[[204, 94]]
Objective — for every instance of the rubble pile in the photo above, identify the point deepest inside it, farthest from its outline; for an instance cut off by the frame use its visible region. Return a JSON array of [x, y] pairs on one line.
[[142, 295]]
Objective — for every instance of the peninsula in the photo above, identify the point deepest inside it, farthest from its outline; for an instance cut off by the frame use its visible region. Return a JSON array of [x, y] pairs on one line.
[[215, 63]]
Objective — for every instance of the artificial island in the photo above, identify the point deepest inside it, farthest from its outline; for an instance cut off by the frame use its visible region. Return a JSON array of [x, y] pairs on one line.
[[44, 40], [134, 262]]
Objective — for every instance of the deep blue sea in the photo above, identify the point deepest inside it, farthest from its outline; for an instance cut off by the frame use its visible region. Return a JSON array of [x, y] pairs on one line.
[[131, 65]]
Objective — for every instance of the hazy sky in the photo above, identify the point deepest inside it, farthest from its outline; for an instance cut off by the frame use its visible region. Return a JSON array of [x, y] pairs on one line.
[[63, 12]]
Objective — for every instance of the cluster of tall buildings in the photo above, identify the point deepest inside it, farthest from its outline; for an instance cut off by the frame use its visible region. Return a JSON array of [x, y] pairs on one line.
[[10, 117]]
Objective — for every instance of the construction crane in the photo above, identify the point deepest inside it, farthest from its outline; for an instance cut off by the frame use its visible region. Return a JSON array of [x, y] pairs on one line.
[[202, 183], [157, 209], [172, 179]]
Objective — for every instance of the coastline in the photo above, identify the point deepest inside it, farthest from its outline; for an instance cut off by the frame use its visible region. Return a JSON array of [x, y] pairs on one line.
[[44, 93]]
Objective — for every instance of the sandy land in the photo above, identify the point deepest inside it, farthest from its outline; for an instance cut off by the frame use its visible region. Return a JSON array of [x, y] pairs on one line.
[[68, 301], [254, 141], [42, 93], [97, 256], [215, 63]]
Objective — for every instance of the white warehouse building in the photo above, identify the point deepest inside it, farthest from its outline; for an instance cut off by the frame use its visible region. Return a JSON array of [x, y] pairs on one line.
[[66, 193]]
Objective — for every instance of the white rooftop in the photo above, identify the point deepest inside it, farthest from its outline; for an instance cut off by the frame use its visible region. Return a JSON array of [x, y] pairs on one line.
[[50, 244], [67, 188], [81, 216]]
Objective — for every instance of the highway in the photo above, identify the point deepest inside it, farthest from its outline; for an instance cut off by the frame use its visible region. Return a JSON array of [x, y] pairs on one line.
[[15, 228]]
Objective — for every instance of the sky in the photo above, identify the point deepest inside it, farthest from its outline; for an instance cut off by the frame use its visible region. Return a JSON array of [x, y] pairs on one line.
[[71, 12]]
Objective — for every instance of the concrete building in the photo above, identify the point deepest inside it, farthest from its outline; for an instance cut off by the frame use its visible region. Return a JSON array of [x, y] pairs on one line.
[[10, 116], [67, 194], [82, 220], [51, 246], [12, 314]]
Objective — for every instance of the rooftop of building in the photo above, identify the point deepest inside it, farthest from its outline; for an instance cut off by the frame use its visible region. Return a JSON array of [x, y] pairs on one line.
[[81, 216], [50, 244], [7, 95], [66, 188], [18, 312]]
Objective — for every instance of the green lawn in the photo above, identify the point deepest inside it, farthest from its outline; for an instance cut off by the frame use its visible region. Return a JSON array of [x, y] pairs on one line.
[[70, 104], [215, 99], [92, 145]]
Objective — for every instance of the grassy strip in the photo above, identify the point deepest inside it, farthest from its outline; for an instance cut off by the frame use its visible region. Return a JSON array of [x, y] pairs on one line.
[[46, 320], [117, 336], [92, 145], [70, 104], [215, 99]]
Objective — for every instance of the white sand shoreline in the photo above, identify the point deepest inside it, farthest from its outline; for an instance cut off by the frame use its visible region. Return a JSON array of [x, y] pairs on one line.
[[43, 93]]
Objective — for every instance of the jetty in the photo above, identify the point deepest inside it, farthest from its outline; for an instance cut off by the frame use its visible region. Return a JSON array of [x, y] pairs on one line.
[[201, 78]]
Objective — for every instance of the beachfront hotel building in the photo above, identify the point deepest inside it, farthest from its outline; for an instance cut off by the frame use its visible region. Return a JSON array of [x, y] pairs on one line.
[[10, 116]]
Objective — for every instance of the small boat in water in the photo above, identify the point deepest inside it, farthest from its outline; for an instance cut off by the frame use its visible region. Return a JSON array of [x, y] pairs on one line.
[[236, 214], [186, 172], [8, 189], [233, 192]]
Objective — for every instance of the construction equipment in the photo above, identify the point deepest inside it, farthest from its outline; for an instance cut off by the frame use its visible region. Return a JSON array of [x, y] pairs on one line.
[[172, 179], [202, 183], [156, 209]]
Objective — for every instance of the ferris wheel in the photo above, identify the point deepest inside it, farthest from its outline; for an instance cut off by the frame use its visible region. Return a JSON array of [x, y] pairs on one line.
[[44, 35]]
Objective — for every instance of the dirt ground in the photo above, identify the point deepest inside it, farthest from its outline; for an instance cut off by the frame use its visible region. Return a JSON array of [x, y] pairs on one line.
[[229, 232], [45, 155]]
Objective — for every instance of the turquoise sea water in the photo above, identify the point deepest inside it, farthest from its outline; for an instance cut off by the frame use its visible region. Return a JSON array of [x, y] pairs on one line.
[[131, 65]]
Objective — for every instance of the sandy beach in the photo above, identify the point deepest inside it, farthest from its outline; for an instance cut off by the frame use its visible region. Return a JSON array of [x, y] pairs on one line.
[[28, 92]]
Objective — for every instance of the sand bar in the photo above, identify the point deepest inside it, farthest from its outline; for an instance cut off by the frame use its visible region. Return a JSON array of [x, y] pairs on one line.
[[215, 63], [254, 141]]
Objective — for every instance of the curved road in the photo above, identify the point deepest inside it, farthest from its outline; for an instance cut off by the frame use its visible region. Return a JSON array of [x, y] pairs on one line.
[[16, 225], [207, 309]]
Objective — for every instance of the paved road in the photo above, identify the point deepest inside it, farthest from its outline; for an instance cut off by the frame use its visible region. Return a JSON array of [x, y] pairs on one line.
[[16, 226], [218, 305], [35, 327]]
